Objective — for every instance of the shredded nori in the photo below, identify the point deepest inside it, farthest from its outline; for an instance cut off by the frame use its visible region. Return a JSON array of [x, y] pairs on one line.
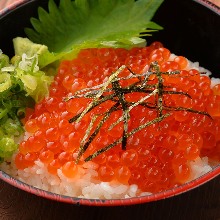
[[116, 93]]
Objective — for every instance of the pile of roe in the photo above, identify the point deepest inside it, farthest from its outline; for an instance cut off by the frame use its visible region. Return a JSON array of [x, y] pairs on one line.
[[157, 157]]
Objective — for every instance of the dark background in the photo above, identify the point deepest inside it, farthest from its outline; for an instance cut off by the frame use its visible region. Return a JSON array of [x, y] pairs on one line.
[[189, 29]]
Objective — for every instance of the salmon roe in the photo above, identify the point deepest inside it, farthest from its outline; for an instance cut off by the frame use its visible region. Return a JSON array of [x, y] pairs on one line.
[[157, 157]]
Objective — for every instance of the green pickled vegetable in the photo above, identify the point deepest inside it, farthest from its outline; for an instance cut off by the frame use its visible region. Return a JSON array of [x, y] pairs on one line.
[[7, 147], [22, 84]]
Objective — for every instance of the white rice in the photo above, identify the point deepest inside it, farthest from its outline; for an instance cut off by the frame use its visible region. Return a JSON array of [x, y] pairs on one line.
[[85, 185]]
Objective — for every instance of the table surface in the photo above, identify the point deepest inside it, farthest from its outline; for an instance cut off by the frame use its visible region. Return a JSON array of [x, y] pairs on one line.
[[202, 203]]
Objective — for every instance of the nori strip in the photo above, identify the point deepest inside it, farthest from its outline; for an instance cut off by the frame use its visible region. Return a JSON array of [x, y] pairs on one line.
[[112, 90]]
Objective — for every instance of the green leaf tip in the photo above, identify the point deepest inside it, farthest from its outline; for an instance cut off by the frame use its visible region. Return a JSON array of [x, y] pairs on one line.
[[73, 25]]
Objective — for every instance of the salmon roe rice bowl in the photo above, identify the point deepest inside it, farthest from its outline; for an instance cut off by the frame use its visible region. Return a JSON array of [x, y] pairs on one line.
[[121, 123]]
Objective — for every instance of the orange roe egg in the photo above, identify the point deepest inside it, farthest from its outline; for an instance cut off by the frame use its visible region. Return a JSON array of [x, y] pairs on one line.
[[30, 158], [23, 147], [113, 161], [75, 137], [77, 84], [165, 155], [52, 134], [182, 172], [160, 55], [194, 75], [192, 152], [164, 183], [68, 81], [216, 89], [143, 152], [46, 156], [170, 142], [156, 45], [101, 159], [55, 147], [31, 125], [123, 174], [148, 186], [135, 177], [181, 115], [179, 158], [184, 101], [168, 171], [68, 146], [129, 157], [65, 127], [20, 162], [70, 169], [106, 173], [184, 141], [39, 108], [51, 103], [43, 120], [182, 61], [64, 157], [169, 66], [153, 173], [197, 139], [209, 140], [53, 166], [214, 109], [185, 128], [76, 106]]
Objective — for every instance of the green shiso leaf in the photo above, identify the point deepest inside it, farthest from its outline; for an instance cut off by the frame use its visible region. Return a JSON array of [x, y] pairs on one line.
[[74, 25]]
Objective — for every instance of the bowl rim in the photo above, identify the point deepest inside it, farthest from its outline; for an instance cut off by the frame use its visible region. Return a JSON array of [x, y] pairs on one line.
[[112, 202], [210, 5], [17, 3], [12, 6], [109, 202]]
